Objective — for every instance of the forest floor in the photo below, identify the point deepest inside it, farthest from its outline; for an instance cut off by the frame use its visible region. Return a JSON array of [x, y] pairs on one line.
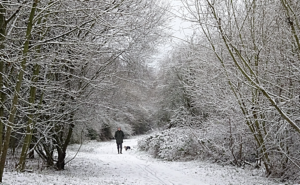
[[99, 163]]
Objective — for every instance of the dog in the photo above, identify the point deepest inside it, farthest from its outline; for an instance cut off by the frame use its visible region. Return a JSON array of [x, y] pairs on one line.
[[127, 148]]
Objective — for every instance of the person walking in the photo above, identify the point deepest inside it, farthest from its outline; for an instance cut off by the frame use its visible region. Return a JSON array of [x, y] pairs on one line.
[[119, 136]]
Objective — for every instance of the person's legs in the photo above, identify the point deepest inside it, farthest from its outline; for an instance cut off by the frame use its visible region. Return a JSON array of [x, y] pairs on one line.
[[118, 146]]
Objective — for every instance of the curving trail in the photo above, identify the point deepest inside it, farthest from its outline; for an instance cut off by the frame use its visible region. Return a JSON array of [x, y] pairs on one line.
[[131, 167], [98, 163]]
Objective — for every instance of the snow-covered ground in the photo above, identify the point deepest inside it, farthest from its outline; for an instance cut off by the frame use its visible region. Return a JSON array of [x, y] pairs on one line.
[[99, 163]]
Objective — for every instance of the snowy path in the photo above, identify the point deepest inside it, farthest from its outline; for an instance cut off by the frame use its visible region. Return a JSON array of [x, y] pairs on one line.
[[130, 167], [99, 163]]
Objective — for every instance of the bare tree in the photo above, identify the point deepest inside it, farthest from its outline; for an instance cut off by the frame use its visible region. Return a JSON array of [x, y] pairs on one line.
[[257, 48], [65, 57]]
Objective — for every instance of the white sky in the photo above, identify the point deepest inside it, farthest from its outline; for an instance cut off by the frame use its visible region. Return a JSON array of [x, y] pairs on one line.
[[181, 28], [179, 31]]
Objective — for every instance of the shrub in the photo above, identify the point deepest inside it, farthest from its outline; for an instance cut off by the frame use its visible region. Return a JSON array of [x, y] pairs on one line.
[[92, 134], [172, 144]]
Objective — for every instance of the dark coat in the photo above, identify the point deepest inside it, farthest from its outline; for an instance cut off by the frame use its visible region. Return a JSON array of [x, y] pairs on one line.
[[119, 136]]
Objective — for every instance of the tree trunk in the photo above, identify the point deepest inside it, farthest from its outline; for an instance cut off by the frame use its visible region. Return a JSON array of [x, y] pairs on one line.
[[17, 91], [2, 95], [30, 124], [46, 153], [61, 149], [60, 164]]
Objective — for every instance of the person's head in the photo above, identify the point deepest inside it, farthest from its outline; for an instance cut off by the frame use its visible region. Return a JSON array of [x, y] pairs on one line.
[[119, 128]]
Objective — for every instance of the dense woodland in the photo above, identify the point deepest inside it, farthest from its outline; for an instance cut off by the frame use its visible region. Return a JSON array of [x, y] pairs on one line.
[[235, 83], [75, 70], [69, 69]]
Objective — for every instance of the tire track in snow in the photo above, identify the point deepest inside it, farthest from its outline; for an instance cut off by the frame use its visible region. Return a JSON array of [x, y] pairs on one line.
[[140, 168], [152, 173]]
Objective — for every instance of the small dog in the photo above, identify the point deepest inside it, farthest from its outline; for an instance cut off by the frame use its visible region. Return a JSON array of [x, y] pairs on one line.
[[127, 148]]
